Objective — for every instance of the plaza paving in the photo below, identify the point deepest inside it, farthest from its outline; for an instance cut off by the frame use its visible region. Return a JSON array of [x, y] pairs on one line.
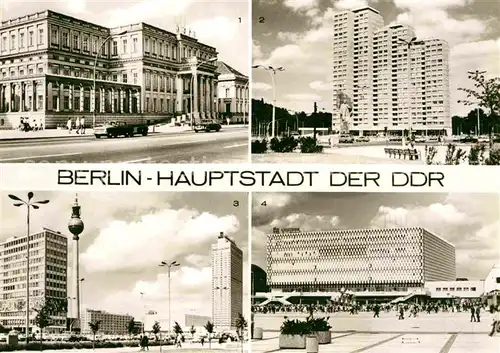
[[439, 333]]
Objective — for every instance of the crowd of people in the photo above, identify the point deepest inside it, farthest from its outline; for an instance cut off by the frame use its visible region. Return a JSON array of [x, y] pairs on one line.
[[26, 125], [78, 125]]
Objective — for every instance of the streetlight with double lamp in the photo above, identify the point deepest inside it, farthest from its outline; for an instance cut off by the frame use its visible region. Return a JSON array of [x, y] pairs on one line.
[[408, 44], [272, 72], [169, 265], [193, 75], [35, 205], [95, 67]]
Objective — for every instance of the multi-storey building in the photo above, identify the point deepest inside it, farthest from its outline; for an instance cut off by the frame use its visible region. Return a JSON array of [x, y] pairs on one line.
[[109, 324], [227, 283], [233, 94], [371, 75], [48, 60], [195, 320], [358, 260], [48, 278]]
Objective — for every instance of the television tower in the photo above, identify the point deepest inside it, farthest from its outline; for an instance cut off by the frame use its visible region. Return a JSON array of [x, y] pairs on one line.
[[76, 227]]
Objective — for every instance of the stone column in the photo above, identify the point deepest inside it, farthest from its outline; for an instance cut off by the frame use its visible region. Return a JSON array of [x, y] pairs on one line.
[[130, 103], [102, 100], [45, 96], [2, 91], [195, 93], [71, 97], [202, 95], [50, 96], [34, 105], [172, 97], [113, 106], [207, 94], [121, 95], [213, 104], [138, 97], [179, 86], [82, 97]]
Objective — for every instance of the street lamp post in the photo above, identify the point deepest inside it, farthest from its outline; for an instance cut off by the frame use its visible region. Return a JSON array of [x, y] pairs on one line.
[[169, 265], [409, 44], [244, 103], [272, 72], [144, 310], [35, 205], [192, 85], [95, 67]]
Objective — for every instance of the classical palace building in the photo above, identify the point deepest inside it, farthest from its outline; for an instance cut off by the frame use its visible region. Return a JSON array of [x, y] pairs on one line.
[[233, 94], [54, 67]]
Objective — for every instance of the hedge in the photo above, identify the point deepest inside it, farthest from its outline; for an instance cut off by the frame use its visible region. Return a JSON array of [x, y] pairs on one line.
[[35, 346]]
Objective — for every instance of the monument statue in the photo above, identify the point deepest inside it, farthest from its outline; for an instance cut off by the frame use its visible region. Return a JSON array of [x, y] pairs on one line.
[[345, 118]]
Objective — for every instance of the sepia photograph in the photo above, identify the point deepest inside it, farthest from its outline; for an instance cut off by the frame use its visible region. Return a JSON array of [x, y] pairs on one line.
[[137, 81], [124, 271], [376, 82], [375, 272]]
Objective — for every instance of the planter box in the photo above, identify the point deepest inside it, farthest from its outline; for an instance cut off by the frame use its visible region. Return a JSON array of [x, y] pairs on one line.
[[324, 337], [292, 341]]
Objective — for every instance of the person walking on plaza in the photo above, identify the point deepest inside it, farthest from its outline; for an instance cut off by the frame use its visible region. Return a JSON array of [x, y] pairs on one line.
[[472, 314], [401, 313], [141, 342], [69, 125], [82, 125], [77, 125], [478, 313], [376, 311]]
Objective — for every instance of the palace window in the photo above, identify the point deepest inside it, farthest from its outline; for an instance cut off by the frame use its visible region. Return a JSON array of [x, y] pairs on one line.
[[160, 46], [115, 48], [75, 42], [135, 78], [30, 42], [153, 47], [54, 36], [12, 42], [85, 44], [65, 40], [4, 43], [115, 78], [95, 45], [40, 36], [134, 45], [124, 78], [125, 46], [146, 45]]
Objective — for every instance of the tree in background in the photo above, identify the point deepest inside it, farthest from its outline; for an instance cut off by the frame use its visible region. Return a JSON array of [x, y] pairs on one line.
[[156, 329], [177, 329], [192, 330], [131, 328], [485, 94], [44, 313], [94, 327], [210, 330], [241, 326]]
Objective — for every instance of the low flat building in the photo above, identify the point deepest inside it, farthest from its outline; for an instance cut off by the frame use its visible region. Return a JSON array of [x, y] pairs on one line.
[[195, 320], [455, 289]]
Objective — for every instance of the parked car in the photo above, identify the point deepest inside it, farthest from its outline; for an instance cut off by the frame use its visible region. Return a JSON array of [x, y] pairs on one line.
[[207, 125], [362, 139], [120, 128], [346, 138], [483, 139], [420, 139]]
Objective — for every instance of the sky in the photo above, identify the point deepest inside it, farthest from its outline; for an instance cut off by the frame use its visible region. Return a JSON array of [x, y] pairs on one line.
[[471, 222], [297, 35], [221, 24], [126, 237]]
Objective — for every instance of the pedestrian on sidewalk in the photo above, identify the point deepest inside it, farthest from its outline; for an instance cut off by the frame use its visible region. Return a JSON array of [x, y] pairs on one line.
[[401, 313], [82, 125], [478, 313], [77, 125], [495, 326], [472, 314], [69, 125]]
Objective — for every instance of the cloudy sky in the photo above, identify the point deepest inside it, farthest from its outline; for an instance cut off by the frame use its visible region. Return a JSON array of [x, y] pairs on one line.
[[216, 23], [469, 221], [127, 235], [297, 35]]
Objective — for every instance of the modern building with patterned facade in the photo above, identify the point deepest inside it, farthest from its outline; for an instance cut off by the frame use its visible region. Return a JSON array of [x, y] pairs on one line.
[[110, 324], [48, 278], [142, 73], [233, 94], [370, 75], [227, 283], [357, 260]]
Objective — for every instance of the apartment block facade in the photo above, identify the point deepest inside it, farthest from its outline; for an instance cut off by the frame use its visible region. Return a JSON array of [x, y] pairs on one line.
[[110, 324], [358, 259], [372, 67], [142, 73], [48, 278], [227, 283]]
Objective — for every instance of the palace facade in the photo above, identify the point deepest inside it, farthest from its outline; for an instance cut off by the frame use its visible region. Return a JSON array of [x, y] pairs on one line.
[[54, 67]]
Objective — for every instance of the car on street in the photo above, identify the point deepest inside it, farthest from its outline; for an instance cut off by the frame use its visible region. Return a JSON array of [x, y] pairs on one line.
[[362, 139], [469, 139], [295, 135], [420, 139], [120, 128], [207, 125], [346, 138], [483, 139]]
